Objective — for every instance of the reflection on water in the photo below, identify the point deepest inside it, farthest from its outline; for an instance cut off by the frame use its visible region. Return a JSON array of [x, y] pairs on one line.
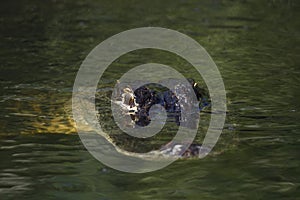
[[255, 45]]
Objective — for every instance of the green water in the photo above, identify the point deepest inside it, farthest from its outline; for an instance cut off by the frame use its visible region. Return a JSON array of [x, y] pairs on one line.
[[255, 45]]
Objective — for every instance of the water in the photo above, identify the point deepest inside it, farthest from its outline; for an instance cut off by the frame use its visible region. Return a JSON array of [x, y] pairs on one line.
[[255, 45]]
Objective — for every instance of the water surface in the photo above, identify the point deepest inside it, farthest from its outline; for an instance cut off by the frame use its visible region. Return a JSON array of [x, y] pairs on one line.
[[255, 44]]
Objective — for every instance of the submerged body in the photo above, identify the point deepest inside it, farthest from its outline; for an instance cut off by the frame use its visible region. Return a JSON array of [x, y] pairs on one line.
[[137, 104]]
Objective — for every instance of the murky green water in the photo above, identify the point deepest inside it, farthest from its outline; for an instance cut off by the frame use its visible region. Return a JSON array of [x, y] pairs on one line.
[[255, 45]]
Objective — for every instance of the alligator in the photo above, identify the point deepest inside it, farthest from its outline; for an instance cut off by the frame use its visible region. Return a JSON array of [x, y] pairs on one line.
[[137, 104]]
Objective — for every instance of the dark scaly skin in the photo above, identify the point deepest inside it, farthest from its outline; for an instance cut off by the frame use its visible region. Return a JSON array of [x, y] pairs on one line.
[[146, 97]]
